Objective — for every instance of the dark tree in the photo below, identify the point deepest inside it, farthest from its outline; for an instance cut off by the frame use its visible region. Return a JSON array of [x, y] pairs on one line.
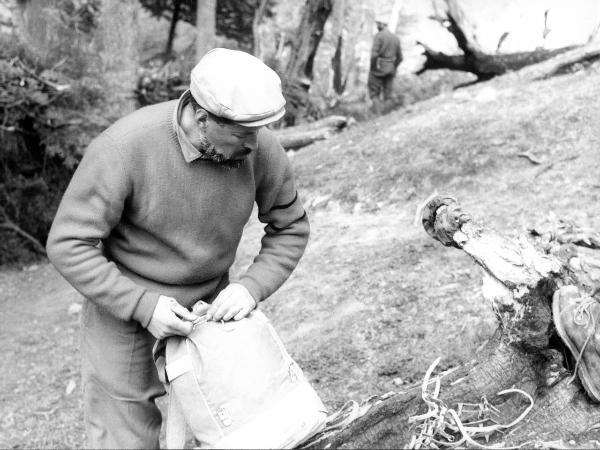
[[235, 18], [304, 46]]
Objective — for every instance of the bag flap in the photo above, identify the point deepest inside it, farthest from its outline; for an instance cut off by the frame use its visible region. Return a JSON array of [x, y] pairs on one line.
[[178, 367]]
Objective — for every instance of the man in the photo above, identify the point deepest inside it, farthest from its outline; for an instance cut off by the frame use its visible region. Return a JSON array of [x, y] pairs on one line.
[[386, 56], [150, 224]]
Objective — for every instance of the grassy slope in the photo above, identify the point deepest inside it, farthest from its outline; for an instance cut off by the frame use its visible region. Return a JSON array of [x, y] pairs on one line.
[[374, 300]]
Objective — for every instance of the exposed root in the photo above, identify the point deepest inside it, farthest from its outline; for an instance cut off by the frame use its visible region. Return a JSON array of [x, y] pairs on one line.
[[342, 418], [445, 427]]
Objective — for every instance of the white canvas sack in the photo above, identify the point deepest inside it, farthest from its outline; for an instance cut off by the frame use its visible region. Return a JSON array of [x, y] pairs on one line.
[[234, 384]]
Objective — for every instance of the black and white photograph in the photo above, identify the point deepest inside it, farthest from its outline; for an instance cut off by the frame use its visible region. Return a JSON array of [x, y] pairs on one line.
[[300, 224]]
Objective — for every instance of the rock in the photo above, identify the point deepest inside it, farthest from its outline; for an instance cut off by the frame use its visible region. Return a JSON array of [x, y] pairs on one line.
[[398, 381], [71, 385], [74, 309], [321, 201]]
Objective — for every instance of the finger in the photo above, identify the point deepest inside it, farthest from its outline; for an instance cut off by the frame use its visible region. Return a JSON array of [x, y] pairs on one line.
[[220, 306], [201, 308], [214, 307], [231, 312], [183, 312], [181, 328], [220, 312], [242, 314], [228, 304]]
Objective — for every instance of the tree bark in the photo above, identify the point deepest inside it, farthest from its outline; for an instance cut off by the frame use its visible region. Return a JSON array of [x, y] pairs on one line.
[[336, 64], [563, 63], [256, 21], [517, 391], [206, 25], [116, 42], [337, 82], [474, 59], [172, 28], [394, 16], [308, 37], [293, 138], [39, 29]]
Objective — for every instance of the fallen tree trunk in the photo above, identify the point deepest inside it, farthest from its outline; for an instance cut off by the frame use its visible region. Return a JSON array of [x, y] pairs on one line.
[[293, 138], [483, 65], [563, 63], [474, 59], [517, 391]]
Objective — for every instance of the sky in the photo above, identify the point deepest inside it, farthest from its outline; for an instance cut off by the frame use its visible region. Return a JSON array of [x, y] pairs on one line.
[[570, 22]]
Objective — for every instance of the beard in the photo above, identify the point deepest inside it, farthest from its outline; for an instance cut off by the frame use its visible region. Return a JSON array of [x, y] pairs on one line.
[[209, 152]]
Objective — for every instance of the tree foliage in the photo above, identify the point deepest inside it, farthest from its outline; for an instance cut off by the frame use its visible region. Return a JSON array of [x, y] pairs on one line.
[[234, 17], [48, 113]]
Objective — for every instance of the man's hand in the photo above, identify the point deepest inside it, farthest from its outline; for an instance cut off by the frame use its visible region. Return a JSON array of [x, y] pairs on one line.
[[233, 302], [170, 319]]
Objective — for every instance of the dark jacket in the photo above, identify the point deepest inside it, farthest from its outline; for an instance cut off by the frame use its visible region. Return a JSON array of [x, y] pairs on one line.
[[386, 53]]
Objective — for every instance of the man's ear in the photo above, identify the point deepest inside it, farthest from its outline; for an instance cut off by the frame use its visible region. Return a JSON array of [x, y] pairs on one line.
[[201, 117]]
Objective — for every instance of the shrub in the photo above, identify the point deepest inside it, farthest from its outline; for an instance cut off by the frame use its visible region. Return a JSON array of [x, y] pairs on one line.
[[48, 113]]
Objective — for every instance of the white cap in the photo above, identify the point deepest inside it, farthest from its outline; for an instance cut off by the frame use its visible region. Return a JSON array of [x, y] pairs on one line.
[[382, 18], [237, 86]]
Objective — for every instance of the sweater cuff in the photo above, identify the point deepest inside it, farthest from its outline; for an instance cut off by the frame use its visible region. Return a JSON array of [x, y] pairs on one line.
[[253, 287], [145, 308]]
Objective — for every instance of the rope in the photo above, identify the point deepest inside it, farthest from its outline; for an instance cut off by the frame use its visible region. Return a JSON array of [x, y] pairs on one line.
[[442, 426]]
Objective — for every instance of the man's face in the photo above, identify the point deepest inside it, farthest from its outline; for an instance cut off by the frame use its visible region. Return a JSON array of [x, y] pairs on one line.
[[229, 143], [380, 25]]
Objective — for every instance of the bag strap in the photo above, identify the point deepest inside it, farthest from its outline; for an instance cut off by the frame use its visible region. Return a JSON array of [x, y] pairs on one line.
[[176, 424]]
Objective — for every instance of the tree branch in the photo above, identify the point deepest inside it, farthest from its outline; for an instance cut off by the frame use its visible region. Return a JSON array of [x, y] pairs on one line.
[[11, 226]]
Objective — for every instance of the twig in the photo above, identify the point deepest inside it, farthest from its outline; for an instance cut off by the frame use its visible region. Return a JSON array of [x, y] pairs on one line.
[[37, 246], [529, 157], [549, 166], [56, 87], [11, 226]]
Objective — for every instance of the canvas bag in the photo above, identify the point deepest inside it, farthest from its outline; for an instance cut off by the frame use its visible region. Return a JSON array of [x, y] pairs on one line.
[[234, 384]]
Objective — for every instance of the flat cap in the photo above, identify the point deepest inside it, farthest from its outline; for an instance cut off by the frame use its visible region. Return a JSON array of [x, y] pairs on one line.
[[382, 18], [237, 86]]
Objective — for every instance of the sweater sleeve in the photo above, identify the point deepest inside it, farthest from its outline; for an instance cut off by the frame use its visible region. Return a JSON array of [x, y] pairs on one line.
[[287, 227], [90, 208]]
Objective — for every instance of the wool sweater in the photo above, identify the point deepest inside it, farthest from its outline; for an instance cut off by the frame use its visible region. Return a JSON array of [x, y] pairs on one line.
[[137, 221]]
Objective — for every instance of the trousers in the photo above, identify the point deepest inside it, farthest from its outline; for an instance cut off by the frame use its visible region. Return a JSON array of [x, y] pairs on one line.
[[378, 85], [120, 382]]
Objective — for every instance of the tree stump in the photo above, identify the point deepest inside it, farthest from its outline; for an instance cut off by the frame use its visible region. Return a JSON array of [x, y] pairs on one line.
[[518, 391]]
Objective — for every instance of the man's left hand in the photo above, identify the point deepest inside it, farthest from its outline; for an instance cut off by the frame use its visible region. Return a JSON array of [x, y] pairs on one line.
[[233, 302]]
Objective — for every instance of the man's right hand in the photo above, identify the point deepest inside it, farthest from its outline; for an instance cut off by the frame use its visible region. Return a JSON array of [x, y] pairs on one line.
[[170, 319]]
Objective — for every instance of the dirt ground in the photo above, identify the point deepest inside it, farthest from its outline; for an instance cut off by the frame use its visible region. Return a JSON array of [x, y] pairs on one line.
[[374, 300]]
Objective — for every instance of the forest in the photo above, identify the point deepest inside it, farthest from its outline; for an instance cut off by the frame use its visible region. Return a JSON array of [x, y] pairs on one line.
[[442, 230]]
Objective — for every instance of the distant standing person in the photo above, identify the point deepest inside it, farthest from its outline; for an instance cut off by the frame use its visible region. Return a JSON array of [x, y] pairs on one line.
[[386, 56]]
